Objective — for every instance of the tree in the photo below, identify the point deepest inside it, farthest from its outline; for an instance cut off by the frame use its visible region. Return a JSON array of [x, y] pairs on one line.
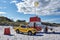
[[17, 20]]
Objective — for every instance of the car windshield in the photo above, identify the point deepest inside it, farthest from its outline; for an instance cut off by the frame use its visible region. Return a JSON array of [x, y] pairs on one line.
[[36, 23], [23, 26]]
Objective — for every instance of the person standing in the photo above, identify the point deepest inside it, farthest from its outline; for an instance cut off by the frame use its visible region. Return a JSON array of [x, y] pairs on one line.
[[46, 29]]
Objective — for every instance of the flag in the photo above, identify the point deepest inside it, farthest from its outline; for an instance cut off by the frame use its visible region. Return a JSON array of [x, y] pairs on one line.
[[36, 4]]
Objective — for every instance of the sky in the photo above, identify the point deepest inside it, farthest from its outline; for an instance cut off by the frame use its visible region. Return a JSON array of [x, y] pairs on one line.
[[47, 10]]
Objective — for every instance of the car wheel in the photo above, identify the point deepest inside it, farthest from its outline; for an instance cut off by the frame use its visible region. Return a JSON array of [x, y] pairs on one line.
[[17, 31], [29, 33]]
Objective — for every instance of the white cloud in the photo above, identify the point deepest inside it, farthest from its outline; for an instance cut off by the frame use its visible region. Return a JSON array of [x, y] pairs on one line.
[[14, 1], [2, 13], [46, 7]]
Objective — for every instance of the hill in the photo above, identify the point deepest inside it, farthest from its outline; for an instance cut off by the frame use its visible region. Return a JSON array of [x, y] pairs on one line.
[[5, 19]]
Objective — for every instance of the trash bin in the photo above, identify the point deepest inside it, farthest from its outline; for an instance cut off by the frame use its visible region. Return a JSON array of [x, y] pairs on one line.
[[6, 31]]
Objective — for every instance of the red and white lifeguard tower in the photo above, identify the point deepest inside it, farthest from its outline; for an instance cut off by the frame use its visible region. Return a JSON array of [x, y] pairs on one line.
[[35, 22]]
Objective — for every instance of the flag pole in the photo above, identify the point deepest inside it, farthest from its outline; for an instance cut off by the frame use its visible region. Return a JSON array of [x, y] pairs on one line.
[[36, 4]]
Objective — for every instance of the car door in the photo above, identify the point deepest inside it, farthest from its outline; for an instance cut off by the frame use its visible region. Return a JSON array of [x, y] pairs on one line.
[[23, 29]]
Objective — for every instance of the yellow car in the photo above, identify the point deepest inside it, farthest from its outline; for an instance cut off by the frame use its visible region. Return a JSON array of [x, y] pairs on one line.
[[25, 29]]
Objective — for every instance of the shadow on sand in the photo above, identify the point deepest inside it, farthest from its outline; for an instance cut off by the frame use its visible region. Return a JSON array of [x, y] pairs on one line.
[[38, 35], [10, 35], [50, 32], [41, 33], [33, 35], [53, 33]]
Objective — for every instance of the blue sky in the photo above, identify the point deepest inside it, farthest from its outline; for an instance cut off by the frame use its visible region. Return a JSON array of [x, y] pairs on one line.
[[9, 8]]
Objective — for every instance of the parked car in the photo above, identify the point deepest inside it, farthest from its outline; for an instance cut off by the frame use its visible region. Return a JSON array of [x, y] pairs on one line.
[[25, 29]]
